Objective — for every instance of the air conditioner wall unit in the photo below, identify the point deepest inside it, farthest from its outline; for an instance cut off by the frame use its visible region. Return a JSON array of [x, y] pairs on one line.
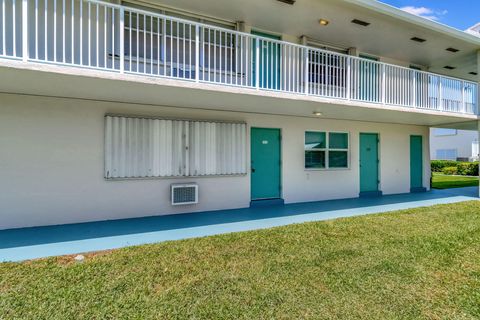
[[183, 194]]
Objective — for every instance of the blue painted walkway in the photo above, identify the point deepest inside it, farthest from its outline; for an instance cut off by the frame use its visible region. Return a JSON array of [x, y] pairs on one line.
[[31, 243]]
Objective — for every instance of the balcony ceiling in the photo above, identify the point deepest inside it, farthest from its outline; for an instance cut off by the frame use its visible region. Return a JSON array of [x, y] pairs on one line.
[[388, 34]]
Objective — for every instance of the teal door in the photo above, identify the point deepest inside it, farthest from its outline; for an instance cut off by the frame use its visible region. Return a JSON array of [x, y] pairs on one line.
[[265, 163], [369, 164], [416, 163], [269, 61]]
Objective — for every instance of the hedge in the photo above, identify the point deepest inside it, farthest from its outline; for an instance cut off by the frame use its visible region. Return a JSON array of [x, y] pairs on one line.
[[455, 167]]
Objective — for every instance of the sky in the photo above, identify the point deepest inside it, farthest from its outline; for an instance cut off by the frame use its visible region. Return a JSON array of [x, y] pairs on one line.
[[460, 14]]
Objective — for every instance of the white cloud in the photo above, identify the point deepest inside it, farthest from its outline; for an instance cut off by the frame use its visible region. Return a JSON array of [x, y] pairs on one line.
[[425, 12]]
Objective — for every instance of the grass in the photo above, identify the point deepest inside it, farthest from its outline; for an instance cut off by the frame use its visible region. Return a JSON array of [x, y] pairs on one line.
[[441, 181], [413, 264]]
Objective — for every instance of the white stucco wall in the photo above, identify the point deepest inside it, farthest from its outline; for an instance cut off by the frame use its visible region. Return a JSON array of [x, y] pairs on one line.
[[52, 158], [461, 142]]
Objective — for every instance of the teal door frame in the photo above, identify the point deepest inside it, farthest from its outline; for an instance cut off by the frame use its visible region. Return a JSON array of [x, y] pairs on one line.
[[266, 163], [269, 61], [369, 165], [416, 164]]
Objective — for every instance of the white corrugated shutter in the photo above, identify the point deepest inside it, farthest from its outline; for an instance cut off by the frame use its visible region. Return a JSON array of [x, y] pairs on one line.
[[143, 148]]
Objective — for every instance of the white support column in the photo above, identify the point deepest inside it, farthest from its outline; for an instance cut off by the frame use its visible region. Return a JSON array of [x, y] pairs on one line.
[[478, 84], [478, 104], [478, 139]]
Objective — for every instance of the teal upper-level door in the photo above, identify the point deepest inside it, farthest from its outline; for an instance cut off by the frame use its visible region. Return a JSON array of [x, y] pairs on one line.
[[265, 163], [269, 61], [416, 164], [369, 160]]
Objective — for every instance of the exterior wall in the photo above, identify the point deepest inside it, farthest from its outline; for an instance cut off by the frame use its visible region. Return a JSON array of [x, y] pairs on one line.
[[52, 163], [461, 141]]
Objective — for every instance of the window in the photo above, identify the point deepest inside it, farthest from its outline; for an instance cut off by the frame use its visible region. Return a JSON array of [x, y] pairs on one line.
[[444, 132], [326, 150], [148, 148], [169, 41], [327, 69], [446, 154]]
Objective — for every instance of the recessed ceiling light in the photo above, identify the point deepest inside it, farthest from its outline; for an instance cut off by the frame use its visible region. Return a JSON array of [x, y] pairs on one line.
[[473, 73], [417, 39], [361, 23], [323, 22], [317, 113], [449, 67], [452, 49]]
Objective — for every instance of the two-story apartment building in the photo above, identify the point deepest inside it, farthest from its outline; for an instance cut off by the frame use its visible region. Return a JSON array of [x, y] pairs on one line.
[[123, 109]]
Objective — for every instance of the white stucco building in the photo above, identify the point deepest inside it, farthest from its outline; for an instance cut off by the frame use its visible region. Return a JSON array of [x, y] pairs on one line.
[[104, 106], [452, 144]]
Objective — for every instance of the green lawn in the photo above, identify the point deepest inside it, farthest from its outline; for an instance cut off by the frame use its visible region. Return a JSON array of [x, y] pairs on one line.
[[415, 264], [441, 181]]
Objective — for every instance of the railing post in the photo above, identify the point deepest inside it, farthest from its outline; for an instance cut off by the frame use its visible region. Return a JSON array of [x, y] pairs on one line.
[[197, 53], [349, 77], [476, 100], [257, 63], [414, 89], [306, 61], [440, 94], [464, 105], [384, 84], [24, 30], [122, 40]]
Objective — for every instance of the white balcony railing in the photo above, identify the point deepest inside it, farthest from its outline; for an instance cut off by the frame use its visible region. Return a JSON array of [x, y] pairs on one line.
[[115, 38]]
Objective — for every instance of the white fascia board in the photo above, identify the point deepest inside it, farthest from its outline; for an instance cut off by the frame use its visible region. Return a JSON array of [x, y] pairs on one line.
[[397, 13]]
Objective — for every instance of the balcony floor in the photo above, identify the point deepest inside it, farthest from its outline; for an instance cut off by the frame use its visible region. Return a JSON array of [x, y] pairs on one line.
[[39, 242]]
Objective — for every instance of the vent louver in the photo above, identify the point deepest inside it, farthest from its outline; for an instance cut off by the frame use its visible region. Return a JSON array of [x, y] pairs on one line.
[[417, 39], [360, 22], [452, 50], [183, 194]]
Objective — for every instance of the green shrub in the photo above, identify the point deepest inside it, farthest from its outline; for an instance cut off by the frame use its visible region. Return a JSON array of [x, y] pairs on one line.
[[438, 165], [450, 170], [461, 168], [468, 168]]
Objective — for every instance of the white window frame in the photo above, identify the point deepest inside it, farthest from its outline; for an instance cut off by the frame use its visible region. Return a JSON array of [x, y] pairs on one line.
[[327, 150]]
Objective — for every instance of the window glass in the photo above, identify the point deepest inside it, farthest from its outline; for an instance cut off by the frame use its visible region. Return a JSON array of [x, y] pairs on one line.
[[444, 132], [338, 159], [314, 159], [315, 140], [338, 140]]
